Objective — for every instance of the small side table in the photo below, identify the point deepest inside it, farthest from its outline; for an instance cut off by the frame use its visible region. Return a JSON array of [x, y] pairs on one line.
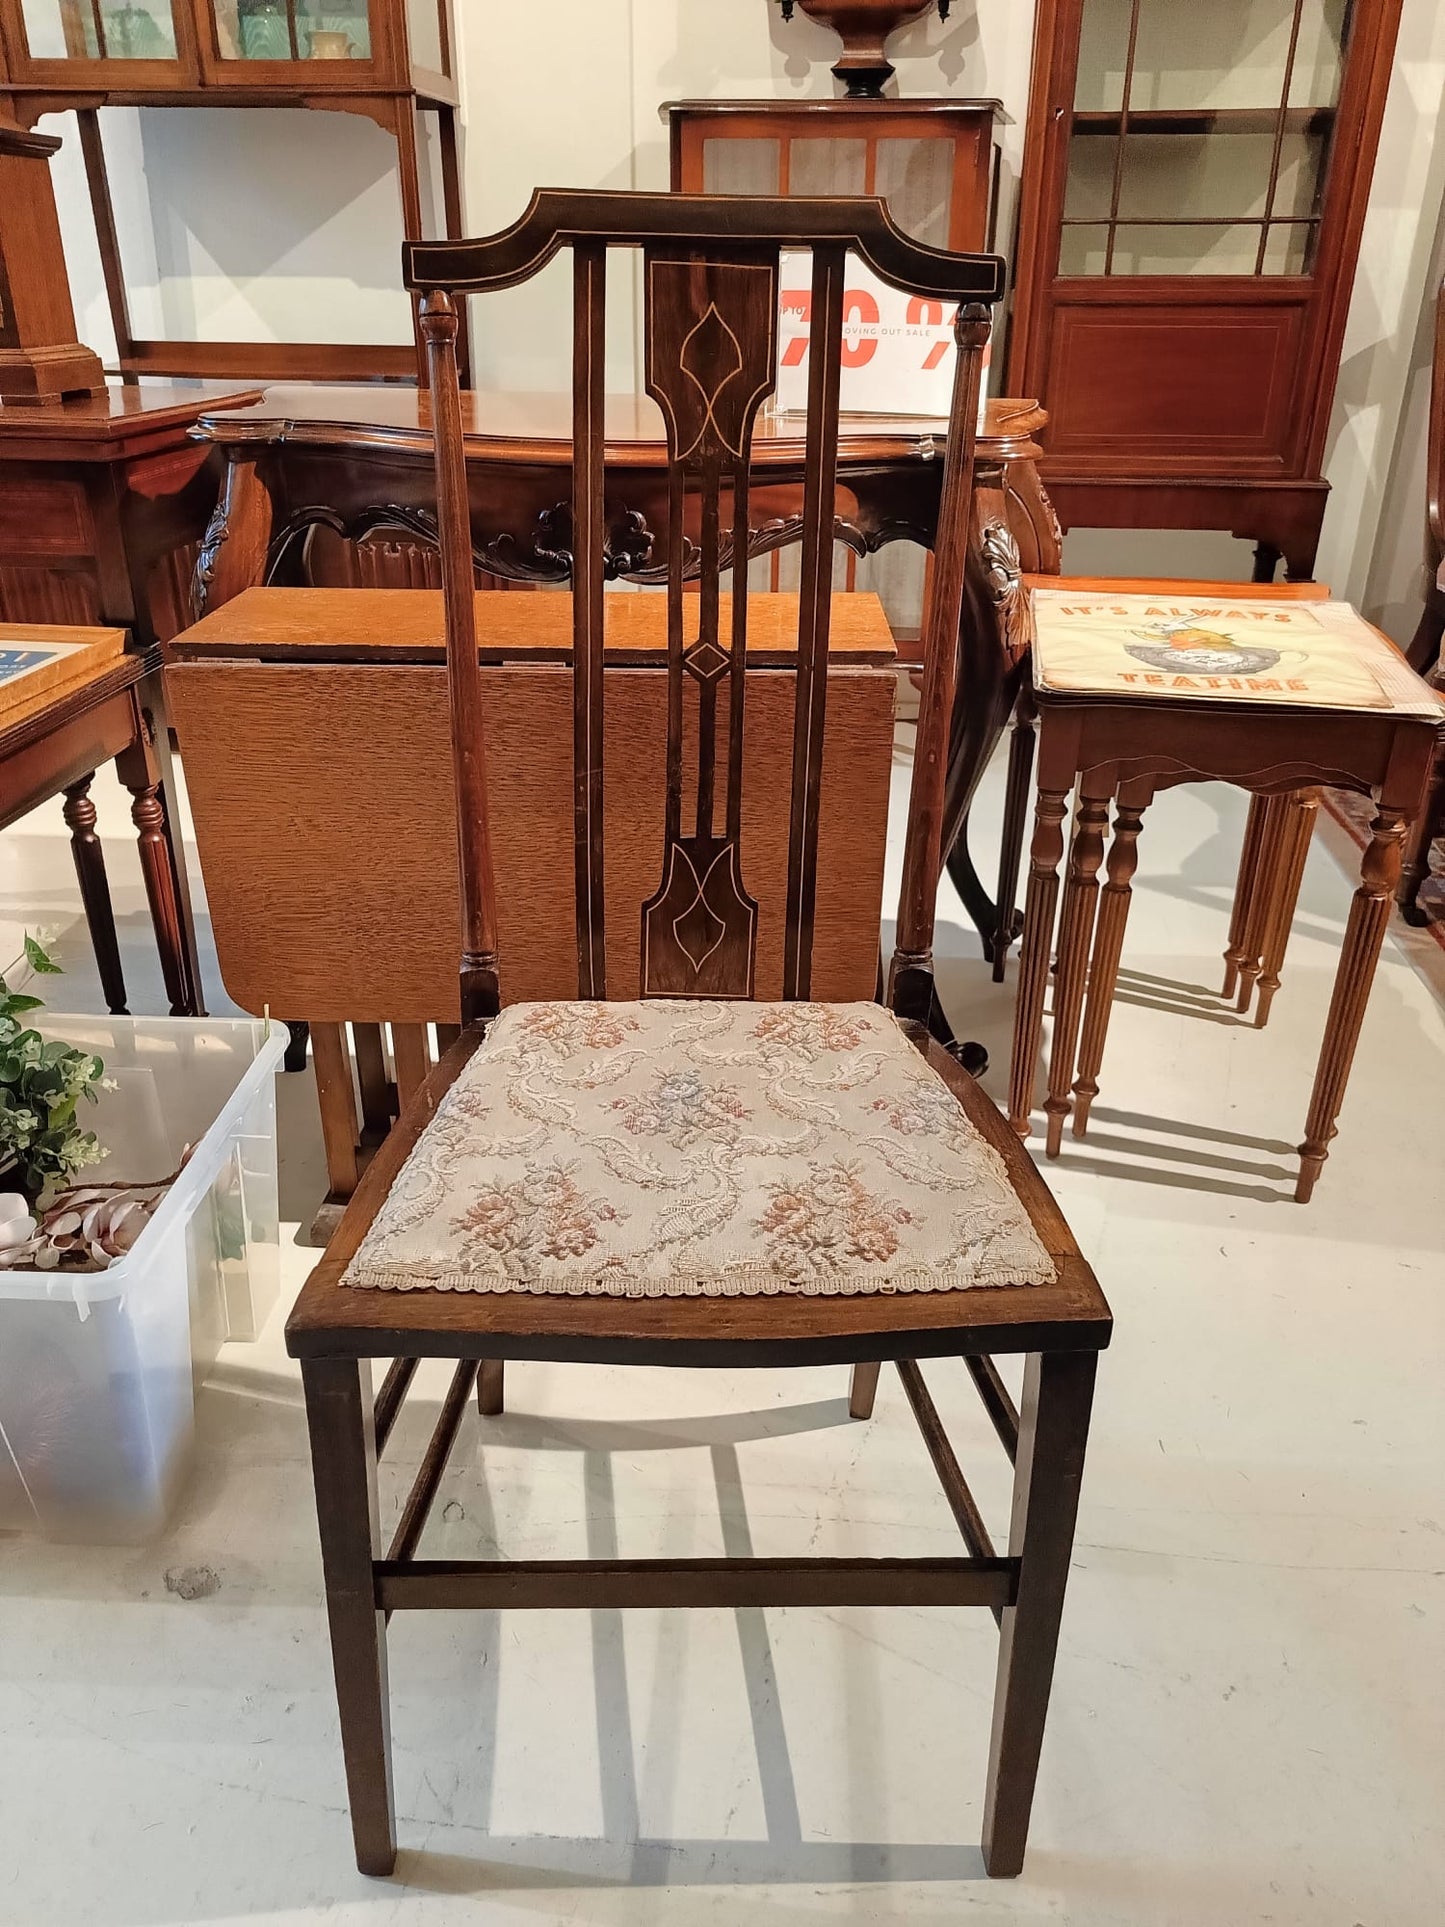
[[1128, 749], [53, 745]]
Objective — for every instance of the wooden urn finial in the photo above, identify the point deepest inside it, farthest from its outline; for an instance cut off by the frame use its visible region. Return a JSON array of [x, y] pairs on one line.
[[41, 361], [865, 26]]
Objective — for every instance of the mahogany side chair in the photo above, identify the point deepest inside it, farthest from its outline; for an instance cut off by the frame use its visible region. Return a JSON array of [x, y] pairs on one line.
[[696, 1178]]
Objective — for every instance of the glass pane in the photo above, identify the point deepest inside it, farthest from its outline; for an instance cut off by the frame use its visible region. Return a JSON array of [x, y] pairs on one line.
[[827, 167], [1089, 192], [1083, 250], [88, 30], [1319, 56], [1222, 53], [424, 34], [292, 30], [1103, 55], [1186, 250], [1290, 247], [915, 178], [1301, 173], [1171, 176], [740, 167]]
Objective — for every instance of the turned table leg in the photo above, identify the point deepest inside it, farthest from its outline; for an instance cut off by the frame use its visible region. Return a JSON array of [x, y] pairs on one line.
[[1299, 827], [1015, 820], [1108, 947], [1262, 895], [79, 813], [1076, 930], [1427, 826], [1244, 887], [1364, 937], [1045, 855]]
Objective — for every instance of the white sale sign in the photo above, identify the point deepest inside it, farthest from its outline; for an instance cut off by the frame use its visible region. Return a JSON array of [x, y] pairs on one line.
[[898, 353]]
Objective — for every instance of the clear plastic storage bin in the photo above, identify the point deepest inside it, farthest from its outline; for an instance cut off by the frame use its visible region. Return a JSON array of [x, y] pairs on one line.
[[98, 1369]]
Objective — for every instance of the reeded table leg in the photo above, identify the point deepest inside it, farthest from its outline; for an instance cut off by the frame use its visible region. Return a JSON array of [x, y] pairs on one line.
[[1364, 936], [1262, 894], [1427, 826], [1011, 846], [1244, 887], [1045, 856], [1299, 827], [343, 1458], [1076, 930], [1053, 1432], [79, 813], [1108, 948]]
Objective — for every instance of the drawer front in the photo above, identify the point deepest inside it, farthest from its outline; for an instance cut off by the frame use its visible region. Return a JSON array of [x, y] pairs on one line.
[[43, 518]]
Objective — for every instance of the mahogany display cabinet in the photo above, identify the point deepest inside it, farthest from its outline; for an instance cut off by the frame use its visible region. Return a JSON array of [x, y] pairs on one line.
[[1194, 188], [384, 59]]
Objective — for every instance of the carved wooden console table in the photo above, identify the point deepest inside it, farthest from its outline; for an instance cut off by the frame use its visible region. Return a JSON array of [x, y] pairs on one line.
[[334, 487]]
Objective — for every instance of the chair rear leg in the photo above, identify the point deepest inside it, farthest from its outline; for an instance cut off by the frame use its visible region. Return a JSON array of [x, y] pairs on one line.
[[491, 1374], [1053, 1430], [343, 1459], [862, 1390]]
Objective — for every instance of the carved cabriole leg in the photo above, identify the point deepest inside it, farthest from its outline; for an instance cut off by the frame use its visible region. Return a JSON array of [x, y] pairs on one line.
[[1427, 826], [1261, 897], [1108, 948], [1364, 936], [233, 551], [343, 1459], [1045, 855], [1076, 929], [1015, 818], [491, 1386], [1244, 887], [862, 1390], [79, 813], [1053, 1432], [1299, 827]]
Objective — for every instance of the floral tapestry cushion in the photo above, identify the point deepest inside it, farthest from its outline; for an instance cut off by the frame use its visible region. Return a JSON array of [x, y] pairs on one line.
[[671, 1149]]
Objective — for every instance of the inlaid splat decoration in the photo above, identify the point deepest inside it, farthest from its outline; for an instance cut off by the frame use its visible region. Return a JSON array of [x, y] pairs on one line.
[[710, 361]]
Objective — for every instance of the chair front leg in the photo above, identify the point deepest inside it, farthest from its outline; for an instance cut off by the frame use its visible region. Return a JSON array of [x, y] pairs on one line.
[[1053, 1431], [862, 1390], [343, 1459]]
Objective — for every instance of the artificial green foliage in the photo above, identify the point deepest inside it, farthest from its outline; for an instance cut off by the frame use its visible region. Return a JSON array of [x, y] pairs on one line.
[[42, 1145]]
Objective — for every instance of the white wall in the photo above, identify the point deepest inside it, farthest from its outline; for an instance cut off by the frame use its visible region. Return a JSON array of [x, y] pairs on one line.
[[284, 225]]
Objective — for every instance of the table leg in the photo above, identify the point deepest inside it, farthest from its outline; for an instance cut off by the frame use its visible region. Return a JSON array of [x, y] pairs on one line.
[[1076, 930], [1011, 847], [1364, 937], [1108, 947], [136, 767], [79, 813], [1429, 824], [1262, 894], [1299, 827], [1244, 887], [156, 726], [1045, 855]]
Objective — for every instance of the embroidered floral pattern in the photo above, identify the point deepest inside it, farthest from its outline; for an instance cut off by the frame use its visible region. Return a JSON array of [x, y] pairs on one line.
[[828, 1220], [547, 1216], [682, 1148], [579, 1027], [682, 1109], [811, 1030]]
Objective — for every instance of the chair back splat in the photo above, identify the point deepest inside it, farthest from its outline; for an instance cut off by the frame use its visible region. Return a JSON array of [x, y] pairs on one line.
[[710, 279]]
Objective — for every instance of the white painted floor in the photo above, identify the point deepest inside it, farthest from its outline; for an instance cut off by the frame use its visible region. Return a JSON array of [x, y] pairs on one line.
[[1248, 1720]]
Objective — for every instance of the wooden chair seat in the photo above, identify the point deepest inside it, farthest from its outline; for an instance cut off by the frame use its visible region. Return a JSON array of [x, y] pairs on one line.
[[1003, 1262]]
